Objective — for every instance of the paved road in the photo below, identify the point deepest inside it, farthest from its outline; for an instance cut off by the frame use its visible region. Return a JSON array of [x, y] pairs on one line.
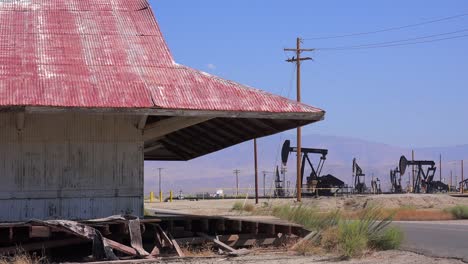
[[439, 239]]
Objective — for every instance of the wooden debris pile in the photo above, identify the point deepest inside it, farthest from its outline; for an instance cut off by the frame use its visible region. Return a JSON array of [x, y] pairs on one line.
[[127, 237]]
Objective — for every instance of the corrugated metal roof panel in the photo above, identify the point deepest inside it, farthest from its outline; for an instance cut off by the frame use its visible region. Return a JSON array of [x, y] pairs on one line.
[[107, 54]]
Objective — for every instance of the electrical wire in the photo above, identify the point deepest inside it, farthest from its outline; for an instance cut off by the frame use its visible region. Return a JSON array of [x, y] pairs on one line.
[[370, 46], [389, 29]]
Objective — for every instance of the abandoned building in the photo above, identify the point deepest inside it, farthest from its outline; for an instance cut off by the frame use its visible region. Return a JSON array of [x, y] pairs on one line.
[[89, 90]]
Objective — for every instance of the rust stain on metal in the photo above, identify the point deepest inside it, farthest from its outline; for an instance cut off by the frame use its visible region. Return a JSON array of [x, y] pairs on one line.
[[108, 54]]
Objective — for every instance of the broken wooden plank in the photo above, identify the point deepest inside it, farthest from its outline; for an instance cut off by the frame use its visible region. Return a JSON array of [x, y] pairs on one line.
[[302, 240], [120, 247], [135, 237], [231, 251], [165, 239], [176, 246]]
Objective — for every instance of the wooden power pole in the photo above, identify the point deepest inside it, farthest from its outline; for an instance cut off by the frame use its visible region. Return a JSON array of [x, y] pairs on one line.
[[462, 179], [297, 59], [256, 170], [440, 167], [236, 172]]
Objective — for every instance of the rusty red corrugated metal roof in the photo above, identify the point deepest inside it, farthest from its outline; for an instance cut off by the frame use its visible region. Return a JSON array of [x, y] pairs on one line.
[[107, 54]]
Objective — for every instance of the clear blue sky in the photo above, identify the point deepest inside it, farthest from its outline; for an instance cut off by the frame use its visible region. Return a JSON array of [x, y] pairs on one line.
[[409, 96]]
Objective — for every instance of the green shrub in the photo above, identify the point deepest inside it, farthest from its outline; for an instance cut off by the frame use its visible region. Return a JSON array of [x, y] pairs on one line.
[[352, 238], [390, 238], [238, 206], [309, 217], [459, 211]]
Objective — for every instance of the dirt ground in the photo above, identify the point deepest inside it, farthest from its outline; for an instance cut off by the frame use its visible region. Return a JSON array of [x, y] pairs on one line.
[[416, 201], [223, 207], [385, 257]]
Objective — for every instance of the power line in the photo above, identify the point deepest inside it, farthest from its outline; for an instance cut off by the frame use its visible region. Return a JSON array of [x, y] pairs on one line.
[[394, 45], [393, 41], [389, 29]]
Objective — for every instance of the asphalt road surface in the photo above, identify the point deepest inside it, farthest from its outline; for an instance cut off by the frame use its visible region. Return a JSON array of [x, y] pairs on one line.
[[438, 239]]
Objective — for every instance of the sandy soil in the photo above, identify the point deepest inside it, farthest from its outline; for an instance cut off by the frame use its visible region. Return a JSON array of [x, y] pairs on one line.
[[223, 207], [386, 257]]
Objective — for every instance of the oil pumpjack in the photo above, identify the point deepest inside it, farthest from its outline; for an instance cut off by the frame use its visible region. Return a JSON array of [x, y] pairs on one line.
[[326, 185], [359, 178], [279, 184], [424, 180], [395, 180]]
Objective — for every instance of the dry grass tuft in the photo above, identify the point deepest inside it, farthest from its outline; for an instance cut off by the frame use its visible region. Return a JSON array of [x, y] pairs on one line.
[[330, 239], [205, 250], [22, 257], [241, 207], [249, 208]]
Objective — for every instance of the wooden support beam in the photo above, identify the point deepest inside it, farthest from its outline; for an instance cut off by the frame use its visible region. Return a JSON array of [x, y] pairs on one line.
[[234, 226], [142, 123], [166, 241], [169, 125], [43, 245], [39, 232], [153, 147], [176, 247]]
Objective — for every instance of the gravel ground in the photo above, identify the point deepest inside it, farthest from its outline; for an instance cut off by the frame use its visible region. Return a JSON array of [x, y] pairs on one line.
[[223, 207], [387, 257]]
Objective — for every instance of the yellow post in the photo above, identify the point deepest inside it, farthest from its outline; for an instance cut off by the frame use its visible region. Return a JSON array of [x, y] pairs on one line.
[[160, 197], [170, 196], [151, 197]]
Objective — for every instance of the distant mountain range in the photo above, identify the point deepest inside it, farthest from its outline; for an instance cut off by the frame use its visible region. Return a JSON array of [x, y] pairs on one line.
[[215, 171]]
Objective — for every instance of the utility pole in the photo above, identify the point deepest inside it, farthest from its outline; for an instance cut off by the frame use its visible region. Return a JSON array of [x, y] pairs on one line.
[[451, 180], [298, 60], [264, 179], [462, 179], [412, 168], [440, 167], [256, 171], [237, 171], [160, 190]]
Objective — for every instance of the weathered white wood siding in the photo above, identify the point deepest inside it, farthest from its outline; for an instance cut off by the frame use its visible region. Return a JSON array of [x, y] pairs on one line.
[[70, 166]]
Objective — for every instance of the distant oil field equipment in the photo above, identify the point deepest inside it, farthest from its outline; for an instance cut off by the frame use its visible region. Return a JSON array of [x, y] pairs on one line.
[[423, 182], [316, 185], [359, 178]]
